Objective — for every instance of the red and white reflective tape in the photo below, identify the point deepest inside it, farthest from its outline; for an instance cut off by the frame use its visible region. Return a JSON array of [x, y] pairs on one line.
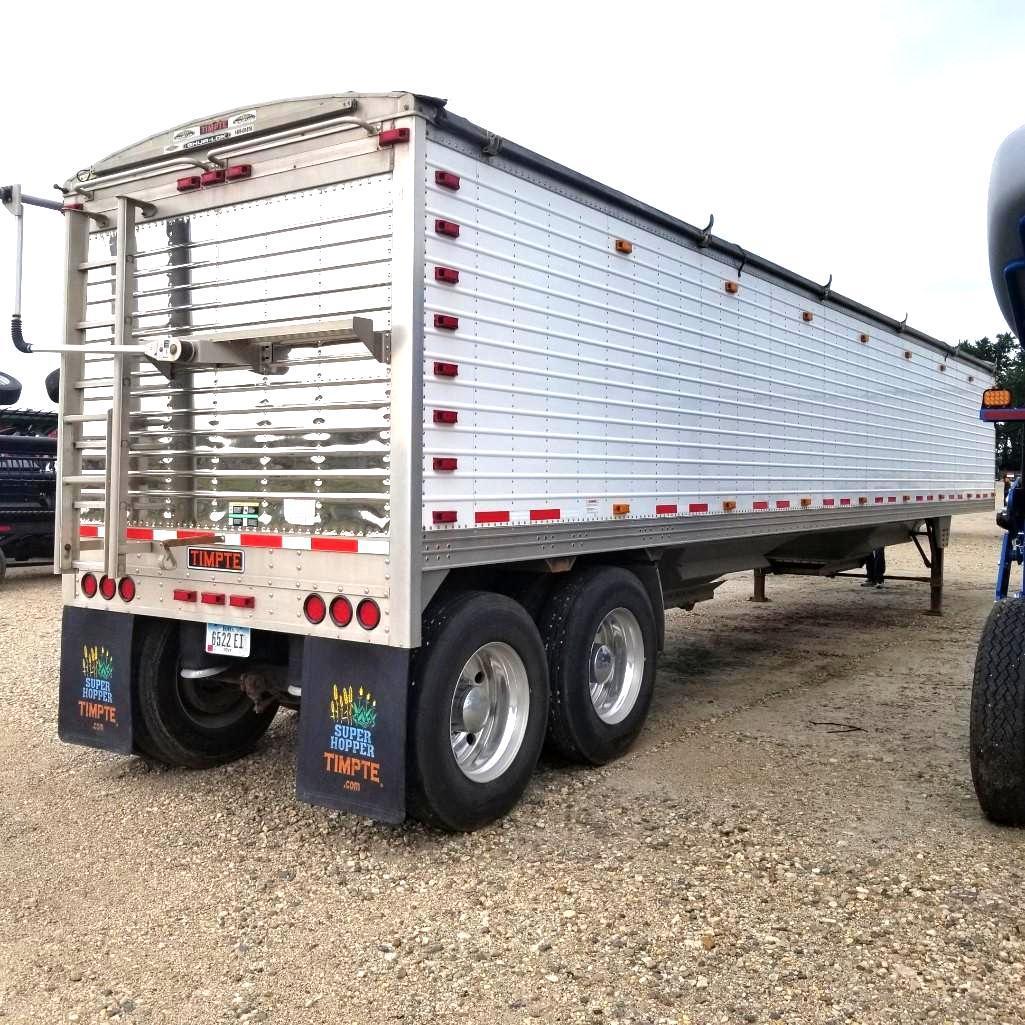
[[489, 517], [288, 542]]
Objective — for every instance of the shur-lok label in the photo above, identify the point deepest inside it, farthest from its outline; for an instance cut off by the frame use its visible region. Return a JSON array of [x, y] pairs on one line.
[[352, 728], [95, 706]]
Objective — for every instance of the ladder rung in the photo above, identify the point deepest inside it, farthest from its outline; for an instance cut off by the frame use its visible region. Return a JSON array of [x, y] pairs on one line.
[[96, 264], [85, 325], [99, 481], [85, 418], [97, 382], [92, 567]]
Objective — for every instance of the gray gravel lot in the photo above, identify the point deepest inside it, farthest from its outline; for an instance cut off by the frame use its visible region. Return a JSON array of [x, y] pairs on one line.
[[740, 864]]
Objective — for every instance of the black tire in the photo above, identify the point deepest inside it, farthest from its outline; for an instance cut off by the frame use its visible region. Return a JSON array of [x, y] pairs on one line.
[[192, 725], [568, 627], [3, 564], [438, 791], [998, 715]]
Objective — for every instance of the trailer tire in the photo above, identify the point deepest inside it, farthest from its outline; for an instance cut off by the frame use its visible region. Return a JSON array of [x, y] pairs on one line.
[[998, 715], [481, 662], [188, 724], [595, 713]]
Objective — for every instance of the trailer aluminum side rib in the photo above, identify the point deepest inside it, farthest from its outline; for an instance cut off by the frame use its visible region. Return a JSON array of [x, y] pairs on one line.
[[366, 409]]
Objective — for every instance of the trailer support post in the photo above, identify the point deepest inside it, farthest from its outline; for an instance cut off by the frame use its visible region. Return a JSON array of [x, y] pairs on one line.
[[759, 586], [935, 569]]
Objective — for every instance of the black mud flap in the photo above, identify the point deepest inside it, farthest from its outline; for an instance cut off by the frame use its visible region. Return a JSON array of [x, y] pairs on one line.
[[95, 700], [352, 728]]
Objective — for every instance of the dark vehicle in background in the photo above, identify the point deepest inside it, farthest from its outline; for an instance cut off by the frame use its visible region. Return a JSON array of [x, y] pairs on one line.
[[28, 480]]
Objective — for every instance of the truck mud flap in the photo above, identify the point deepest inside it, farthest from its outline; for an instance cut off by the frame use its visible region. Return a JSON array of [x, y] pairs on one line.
[[352, 728], [95, 698]]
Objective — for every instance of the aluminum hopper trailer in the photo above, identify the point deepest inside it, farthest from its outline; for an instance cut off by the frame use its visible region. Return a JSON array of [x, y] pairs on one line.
[[368, 410]]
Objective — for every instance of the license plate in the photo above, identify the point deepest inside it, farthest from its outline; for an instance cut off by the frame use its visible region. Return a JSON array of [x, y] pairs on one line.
[[227, 640]]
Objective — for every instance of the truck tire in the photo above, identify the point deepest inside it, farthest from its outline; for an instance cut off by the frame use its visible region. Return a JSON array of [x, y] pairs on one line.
[[478, 709], [192, 724], [998, 715], [600, 639]]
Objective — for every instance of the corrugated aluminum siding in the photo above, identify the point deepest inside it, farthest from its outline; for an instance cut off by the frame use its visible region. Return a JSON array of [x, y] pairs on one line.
[[589, 378]]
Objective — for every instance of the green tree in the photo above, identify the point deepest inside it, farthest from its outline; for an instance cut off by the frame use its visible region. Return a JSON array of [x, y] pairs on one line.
[[1008, 361]]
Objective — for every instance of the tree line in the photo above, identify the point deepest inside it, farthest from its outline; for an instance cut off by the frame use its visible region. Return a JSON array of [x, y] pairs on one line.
[[1008, 359]]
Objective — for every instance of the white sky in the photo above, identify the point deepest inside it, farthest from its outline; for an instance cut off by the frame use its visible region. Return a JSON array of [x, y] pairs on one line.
[[844, 138]]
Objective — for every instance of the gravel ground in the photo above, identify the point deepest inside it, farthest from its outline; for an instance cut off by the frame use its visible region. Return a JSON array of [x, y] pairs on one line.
[[747, 861]]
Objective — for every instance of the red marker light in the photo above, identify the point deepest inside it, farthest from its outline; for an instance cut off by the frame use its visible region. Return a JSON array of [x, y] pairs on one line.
[[446, 369], [445, 416], [445, 516], [445, 463], [211, 598], [390, 136], [341, 611], [368, 613], [189, 184], [314, 608], [212, 177], [446, 274], [445, 322], [183, 594], [238, 171], [242, 601], [447, 180], [449, 228]]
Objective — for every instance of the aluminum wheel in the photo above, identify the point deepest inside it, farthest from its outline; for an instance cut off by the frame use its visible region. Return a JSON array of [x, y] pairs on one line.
[[490, 707], [616, 666]]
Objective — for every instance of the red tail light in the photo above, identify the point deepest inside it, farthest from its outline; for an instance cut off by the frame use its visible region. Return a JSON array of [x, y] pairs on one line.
[[89, 585], [108, 588], [314, 608], [368, 613], [341, 611], [126, 589]]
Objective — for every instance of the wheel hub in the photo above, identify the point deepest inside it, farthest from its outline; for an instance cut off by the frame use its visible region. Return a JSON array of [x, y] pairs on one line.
[[476, 706], [603, 664]]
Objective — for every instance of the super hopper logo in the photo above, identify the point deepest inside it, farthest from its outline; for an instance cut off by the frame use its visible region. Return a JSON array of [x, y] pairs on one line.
[[96, 703], [350, 745]]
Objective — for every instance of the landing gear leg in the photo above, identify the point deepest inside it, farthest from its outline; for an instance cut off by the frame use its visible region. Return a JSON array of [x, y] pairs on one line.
[[759, 586]]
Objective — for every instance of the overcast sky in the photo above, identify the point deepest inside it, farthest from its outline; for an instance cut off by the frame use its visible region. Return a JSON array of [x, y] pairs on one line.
[[847, 138]]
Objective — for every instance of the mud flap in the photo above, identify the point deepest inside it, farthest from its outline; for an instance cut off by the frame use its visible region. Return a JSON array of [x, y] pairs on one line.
[[352, 728], [95, 698]]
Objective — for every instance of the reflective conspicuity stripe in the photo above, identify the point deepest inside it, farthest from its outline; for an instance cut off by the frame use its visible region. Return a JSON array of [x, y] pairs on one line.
[[291, 542]]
